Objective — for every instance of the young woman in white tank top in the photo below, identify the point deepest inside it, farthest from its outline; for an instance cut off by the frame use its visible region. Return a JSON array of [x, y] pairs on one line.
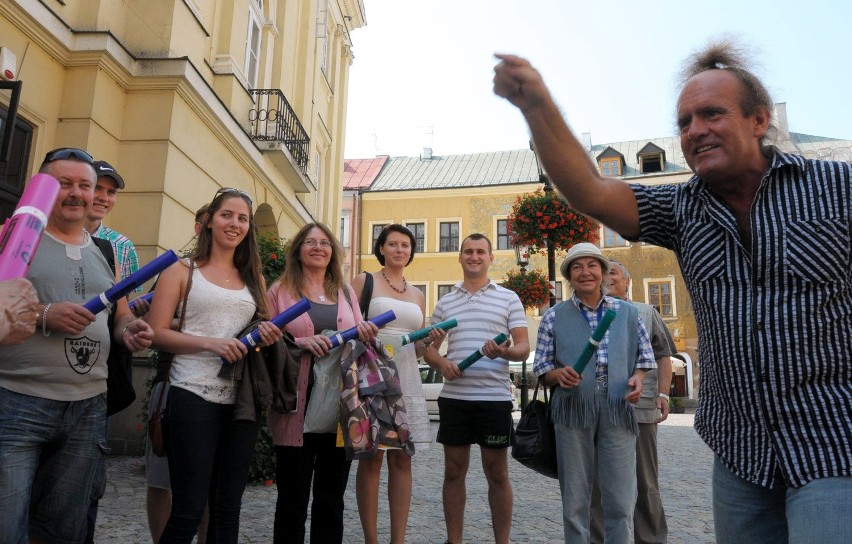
[[209, 453]]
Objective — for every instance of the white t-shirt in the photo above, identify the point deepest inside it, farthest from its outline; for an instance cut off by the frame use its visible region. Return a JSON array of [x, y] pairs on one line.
[[481, 316]]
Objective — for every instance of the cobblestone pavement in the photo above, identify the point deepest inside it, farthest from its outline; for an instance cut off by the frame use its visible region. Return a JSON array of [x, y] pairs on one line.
[[685, 478]]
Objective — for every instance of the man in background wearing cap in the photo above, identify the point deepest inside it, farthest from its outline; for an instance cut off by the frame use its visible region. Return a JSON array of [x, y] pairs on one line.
[[106, 193], [592, 411], [649, 517]]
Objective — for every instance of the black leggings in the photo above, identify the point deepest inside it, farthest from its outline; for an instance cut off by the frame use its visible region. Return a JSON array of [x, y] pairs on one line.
[[320, 460]]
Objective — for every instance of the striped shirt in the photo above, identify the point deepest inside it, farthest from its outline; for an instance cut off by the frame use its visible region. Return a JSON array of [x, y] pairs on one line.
[[545, 348], [482, 316], [125, 252], [774, 326]]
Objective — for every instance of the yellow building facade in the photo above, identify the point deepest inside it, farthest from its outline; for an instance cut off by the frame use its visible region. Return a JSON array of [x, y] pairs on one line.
[[445, 198], [184, 97]]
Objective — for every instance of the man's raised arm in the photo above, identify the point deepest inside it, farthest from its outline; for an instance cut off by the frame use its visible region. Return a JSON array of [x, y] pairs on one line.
[[564, 159]]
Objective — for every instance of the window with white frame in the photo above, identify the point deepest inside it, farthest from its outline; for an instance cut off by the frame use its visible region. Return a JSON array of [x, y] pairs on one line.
[[502, 239], [449, 236], [444, 289], [317, 169], [610, 238], [377, 230], [253, 40], [419, 232], [324, 60], [344, 228], [659, 293], [544, 307], [323, 34]]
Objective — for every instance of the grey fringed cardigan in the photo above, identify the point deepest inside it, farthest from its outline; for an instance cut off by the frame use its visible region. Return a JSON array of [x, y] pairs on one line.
[[575, 407]]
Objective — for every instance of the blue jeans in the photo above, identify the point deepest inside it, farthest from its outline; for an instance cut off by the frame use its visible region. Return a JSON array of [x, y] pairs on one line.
[[745, 513], [209, 459], [610, 448], [98, 487], [48, 453]]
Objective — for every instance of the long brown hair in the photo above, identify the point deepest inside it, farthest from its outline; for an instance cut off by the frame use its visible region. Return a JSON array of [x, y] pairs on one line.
[[293, 277], [246, 254]]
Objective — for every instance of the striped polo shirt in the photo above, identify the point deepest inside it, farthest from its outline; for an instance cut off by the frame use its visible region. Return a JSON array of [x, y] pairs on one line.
[[774, 326], [482, 316]]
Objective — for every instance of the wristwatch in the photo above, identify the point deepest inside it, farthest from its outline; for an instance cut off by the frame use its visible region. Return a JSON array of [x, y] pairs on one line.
[[663, 396]]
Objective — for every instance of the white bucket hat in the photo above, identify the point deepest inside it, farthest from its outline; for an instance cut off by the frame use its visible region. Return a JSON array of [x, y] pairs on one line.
[[583, 249]]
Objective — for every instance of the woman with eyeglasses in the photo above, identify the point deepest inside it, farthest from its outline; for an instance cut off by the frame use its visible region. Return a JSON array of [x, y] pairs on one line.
[[209, 452], [312, 460], [394, 249]]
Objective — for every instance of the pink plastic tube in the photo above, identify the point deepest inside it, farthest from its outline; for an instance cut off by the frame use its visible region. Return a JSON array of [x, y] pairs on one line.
[[22, 232]]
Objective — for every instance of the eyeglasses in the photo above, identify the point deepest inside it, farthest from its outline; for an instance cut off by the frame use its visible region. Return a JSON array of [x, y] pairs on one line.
[[228, 190], [310, 242], [64, 153]]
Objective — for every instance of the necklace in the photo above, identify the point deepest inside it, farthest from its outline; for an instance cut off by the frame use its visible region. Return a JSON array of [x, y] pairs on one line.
[[219, 270], [312, 292], [404, 284]]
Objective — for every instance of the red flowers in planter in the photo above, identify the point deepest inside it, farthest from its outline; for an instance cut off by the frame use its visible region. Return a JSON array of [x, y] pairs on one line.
[[532, 288], [541, 218]]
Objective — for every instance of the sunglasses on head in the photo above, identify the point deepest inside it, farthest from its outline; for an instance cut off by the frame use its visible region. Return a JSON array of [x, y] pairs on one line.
[[65, 153], [229, 190]]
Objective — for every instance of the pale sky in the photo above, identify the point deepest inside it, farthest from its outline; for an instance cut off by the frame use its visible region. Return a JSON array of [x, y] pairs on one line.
[[422, 74]]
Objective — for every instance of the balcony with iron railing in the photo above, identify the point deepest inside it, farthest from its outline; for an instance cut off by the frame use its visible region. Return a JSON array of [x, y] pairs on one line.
[[277, 131]]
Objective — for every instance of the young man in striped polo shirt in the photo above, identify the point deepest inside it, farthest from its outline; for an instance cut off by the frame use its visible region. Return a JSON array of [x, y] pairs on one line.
[[475, 406]]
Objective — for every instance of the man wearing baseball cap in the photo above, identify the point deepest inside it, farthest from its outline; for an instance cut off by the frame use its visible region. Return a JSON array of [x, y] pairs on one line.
[[106, 194]]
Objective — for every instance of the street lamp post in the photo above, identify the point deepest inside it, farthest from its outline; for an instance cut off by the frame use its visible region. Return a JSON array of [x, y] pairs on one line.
[[522, 257], [551, 251]]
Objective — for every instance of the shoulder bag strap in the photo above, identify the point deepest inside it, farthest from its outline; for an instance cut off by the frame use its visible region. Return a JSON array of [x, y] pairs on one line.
[[186, 296], [366, 294], [162, 398]]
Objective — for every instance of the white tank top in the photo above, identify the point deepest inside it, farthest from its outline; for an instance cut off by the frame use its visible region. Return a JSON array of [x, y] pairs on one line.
[[216, 312]]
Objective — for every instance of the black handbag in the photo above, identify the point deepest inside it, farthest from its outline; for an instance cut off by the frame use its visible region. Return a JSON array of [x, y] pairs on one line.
[[120, 391], [534, 440]]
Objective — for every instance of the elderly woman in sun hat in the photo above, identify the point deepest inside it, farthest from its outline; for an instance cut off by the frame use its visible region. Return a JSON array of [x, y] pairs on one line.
[[592, 412]]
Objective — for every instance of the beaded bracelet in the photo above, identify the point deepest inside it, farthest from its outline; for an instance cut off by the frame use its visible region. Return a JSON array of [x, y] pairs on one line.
[[44, 330]]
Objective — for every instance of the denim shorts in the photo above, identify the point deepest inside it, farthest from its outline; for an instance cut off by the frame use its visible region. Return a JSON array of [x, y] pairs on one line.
[[49, 450]]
